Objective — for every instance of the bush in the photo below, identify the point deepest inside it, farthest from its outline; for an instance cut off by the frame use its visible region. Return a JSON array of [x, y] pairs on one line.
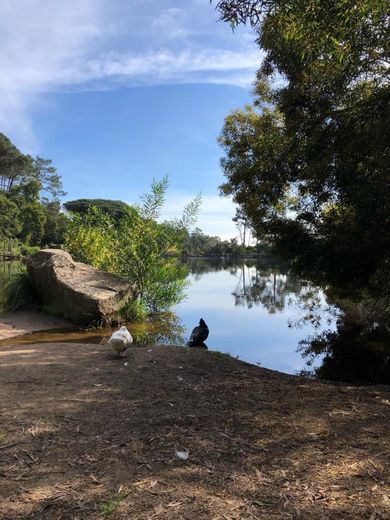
[[27, 250], [137, 247], [20, 295], [135, 311]]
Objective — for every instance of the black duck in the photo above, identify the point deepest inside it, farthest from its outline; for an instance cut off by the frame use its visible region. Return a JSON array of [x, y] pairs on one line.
[[199, 335]]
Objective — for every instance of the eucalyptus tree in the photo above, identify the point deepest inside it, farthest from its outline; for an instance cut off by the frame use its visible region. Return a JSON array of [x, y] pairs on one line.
[[308, 160]]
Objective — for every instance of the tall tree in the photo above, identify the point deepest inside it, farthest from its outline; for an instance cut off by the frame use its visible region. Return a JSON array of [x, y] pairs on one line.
[[14, 166], [29, 196], [308, 162], [18, 170]]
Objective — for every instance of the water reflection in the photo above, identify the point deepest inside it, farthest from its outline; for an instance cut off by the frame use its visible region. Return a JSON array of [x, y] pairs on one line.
[[258, 312], [267, 287], [335, 342], [253, 309], [356, 352], [164, 329]]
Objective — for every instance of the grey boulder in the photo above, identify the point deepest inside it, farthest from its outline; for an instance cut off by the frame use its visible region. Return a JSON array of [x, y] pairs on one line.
[[74, 290]]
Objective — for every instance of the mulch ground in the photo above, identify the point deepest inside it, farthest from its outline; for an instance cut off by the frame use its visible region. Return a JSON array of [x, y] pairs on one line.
[[87, 436]]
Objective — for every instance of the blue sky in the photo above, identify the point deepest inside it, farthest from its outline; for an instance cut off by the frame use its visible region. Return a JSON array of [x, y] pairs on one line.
[[119, 92]]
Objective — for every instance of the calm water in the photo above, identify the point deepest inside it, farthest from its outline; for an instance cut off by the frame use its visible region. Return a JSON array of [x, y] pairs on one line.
[[254, 310]]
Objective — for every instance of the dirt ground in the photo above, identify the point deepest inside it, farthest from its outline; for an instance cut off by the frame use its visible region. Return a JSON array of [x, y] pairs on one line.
[[87, 436], [18, 323]]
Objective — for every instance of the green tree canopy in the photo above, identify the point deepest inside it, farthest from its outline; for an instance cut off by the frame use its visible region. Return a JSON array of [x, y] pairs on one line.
[[18, 170], [114, 208], [308, 161], [29, 192]]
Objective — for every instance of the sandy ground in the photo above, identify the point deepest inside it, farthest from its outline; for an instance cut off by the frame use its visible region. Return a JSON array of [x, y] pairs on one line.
[[86, 436], [19, 323]]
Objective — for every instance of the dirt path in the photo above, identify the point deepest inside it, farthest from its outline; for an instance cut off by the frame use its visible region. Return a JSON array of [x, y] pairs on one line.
[[84, 436]]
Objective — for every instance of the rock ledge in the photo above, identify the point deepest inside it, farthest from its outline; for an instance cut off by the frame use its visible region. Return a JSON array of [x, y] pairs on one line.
[[76, 291]]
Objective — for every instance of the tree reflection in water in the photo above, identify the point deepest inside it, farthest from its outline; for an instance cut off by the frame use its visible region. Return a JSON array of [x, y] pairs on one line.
[[266, 287], [357, 350], [273, 288]]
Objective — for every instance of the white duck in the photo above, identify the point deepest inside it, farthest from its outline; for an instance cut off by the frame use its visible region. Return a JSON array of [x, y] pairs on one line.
[[120, 340]]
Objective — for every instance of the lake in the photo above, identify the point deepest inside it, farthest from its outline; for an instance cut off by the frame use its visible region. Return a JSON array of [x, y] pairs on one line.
[[255, 311]]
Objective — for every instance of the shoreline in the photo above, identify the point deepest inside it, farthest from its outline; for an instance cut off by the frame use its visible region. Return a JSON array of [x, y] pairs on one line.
[[14, 324]]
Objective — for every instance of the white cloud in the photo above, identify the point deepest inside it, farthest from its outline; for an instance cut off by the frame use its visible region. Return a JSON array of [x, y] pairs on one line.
[[170, 22], [189, 65], [54, 46], [38, 38]]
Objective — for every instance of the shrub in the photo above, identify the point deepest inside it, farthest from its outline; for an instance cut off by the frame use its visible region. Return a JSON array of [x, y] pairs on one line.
[[137, 247], [20, 295]]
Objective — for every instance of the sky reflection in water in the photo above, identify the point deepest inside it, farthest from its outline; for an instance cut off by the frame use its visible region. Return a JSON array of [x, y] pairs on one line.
[[248, 309]]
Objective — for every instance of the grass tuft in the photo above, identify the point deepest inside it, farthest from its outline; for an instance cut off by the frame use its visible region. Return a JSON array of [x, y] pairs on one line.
[[20, 293]]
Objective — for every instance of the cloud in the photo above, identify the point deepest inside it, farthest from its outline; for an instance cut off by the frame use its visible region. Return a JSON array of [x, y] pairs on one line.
[[55, 46], [170, 23], [163, 66], [38, 39]]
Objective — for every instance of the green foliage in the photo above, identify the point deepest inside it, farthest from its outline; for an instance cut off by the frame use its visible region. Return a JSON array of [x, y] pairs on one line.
[[90, 238], [114, 208], [20, 295], [29, 191], [33, 219], [26, 250], [197, 243], [137, 247], [55, 223], [308, 161], [18, 171], [110, 505], [14, 166], [9, 217], [9, 247], [135, 311]]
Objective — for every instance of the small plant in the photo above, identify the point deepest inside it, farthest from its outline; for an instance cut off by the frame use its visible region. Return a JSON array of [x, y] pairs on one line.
[[20, 294], [134, 311], [27, 250], [108, 506]]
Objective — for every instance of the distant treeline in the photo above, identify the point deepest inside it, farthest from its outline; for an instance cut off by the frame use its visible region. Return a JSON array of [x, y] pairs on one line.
[[198, 244]]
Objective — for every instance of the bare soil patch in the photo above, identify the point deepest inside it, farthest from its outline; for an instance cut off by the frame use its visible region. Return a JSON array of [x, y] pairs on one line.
[[87, 436], [14, 324]]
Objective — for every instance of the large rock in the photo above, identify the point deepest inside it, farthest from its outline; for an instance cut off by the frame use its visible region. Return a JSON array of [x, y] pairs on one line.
[[74, 290]]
